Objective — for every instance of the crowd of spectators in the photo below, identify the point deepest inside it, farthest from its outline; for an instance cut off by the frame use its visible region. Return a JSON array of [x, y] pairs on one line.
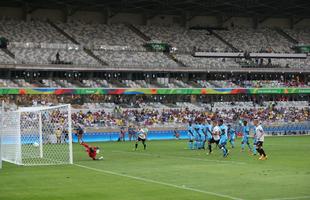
[[155, 117], [228, 82]]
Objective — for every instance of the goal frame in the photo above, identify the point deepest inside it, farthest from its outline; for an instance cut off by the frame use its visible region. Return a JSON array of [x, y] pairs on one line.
[[39, 137], [1, 130]]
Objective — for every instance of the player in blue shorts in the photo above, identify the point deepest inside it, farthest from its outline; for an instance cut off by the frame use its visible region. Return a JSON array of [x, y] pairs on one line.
[[201, 136], [254, 143], [208, 131], [246, 134], [197, 132], [191, 135], [223, 137], [232, 135], [196, 135]]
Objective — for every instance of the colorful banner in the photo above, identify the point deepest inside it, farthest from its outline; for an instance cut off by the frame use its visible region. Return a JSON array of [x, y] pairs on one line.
[[152, 91]]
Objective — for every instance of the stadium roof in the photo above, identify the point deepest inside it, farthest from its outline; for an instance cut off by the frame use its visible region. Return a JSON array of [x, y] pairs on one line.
[[228, 8]]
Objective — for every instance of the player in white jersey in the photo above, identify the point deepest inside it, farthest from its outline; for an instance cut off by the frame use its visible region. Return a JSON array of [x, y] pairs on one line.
[[142, 134], [260, 136], [216, 131]]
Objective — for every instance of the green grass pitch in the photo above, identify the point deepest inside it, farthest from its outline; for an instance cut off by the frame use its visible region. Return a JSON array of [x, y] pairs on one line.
[[167, 170]]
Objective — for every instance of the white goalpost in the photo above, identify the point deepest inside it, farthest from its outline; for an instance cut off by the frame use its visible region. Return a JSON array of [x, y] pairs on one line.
[[37, 136], [1, 128]]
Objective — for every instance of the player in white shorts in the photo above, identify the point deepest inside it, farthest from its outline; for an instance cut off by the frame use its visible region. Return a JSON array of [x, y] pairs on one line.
[[260, 136]]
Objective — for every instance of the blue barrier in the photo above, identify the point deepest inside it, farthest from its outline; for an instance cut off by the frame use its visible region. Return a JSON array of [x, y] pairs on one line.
[[169, 134], [290, 129], [113, 136]]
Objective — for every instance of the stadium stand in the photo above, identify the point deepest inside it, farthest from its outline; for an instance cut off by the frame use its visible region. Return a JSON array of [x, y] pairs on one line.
[[184, 39], [5, 58], [256, 40], [198, 62], [285, 112], [136, 59], [119, 45], [94, 35], [35, 31], [160, 82], [48, 56], [302, 35]]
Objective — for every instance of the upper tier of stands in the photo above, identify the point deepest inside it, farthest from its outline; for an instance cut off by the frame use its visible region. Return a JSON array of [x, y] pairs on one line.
[[120, 45], [185, 39], [30, 31], [48, 56], [301, 35], [136, 59], [256, 40]]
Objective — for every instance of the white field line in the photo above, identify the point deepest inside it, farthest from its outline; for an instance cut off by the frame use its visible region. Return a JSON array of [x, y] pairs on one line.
[[160, 183], [181, 157], [290, 198]]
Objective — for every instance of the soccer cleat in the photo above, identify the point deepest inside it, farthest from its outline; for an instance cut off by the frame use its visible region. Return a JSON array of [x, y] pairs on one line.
[[261, 157], [226, 154], [264, 158], [101, 158]]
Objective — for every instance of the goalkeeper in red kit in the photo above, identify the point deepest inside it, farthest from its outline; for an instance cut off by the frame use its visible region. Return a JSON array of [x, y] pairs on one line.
[[92, 151]]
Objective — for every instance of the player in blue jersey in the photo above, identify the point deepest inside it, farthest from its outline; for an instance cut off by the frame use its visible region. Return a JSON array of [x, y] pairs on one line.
[[196, 135], [208, 132], [201, 135], [254, 142], [223, 137], [232, 135], [246, 134], [198, 131], [191, 135]]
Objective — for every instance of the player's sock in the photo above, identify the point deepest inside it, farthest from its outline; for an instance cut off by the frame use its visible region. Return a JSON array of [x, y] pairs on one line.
[[254, 150], [144, 145], [136, 145], [224, 151], [249, 146], [259, 151], [232, 144], [195, 145], [242, 146], [210, 148], [190, 145], [263, 152]]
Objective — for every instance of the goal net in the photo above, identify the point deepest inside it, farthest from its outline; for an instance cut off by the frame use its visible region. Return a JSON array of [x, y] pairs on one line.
[[37, 136]]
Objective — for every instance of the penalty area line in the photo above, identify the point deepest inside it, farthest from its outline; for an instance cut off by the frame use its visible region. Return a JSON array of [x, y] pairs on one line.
[[159, 182]]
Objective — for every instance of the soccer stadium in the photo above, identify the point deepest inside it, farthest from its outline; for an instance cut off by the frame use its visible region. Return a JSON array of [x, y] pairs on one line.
[[154, 99]]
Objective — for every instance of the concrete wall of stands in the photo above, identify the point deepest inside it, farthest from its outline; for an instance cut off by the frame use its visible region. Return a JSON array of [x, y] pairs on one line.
[[100, 17]]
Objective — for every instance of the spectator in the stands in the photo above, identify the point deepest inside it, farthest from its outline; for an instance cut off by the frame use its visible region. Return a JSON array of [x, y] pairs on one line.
[[57, 57]]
